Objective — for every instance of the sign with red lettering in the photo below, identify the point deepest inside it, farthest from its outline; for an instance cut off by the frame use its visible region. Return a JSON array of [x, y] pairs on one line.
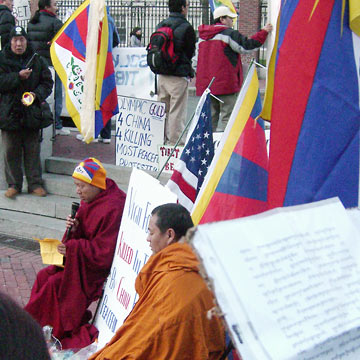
[[132, 251], [139, 131], [164, 152]]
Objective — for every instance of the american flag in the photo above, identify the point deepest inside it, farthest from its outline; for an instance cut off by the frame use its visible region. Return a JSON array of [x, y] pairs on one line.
[[196, 157]]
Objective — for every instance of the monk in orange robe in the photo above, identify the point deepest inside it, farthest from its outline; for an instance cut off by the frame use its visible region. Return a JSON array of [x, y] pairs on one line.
[[170, 320]]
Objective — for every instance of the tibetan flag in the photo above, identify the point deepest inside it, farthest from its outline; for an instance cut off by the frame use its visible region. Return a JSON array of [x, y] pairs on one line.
[[83, 61], [216, 3], [313, 104], [236, 183], [190, 170]]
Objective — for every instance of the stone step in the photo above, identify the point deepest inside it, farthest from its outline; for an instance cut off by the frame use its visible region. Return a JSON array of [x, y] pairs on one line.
[[120, 174], [62, 185], [31, 216], [29, 226], [51, 206]]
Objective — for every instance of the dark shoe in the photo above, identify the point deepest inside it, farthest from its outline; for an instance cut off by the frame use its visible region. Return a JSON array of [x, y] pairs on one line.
[[39, 192], [11, 192], [104, 140]]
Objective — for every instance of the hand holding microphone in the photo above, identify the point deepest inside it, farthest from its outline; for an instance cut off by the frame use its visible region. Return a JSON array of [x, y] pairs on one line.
[[71, 220]]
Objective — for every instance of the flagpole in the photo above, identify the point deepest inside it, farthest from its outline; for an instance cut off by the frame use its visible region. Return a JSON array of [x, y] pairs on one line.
[[181, 135]]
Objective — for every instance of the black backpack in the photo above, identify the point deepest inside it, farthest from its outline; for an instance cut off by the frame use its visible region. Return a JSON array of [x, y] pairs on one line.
[[161, 56]]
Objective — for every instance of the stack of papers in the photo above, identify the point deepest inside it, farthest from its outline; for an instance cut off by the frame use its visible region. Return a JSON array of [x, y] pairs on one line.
[[287, 281]]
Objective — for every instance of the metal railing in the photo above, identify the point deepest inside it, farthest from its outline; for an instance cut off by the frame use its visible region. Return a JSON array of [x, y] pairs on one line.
[[144, 14], [147, 14]]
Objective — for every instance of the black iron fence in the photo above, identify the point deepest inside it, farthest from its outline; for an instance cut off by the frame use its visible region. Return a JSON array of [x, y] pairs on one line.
[[147, 14]]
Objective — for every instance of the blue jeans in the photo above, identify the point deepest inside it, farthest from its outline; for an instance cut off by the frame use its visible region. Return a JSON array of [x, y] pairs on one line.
[[58, 101]]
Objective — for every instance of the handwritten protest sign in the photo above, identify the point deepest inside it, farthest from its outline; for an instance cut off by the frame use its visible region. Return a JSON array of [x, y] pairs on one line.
[[139, 131], [164, 152], [288, 281], [21, 10], [132, 74], [132, 252]]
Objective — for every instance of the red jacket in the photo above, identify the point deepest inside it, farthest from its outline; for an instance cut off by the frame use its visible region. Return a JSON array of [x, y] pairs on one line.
[[219, 49]]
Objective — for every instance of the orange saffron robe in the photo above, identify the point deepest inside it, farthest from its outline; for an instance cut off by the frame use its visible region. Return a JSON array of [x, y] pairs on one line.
[[169, 321]]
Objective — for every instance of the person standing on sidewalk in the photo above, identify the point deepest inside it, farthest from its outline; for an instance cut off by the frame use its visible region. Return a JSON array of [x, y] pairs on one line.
[[173, 85], [42, 28], [218, 54], [7, 21], [20, 119]]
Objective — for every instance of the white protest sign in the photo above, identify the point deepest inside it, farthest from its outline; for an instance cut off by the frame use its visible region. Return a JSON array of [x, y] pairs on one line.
[[139, 131], [288, 281], [21, 10], [132, 251], [132, 73]]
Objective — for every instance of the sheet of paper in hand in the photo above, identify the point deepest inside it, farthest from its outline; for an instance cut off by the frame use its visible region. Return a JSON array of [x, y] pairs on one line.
[[288, 281], [49, 253]]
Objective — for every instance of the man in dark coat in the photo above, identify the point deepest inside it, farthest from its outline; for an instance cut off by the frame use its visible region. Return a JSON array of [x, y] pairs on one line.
[[23, 88], [41, 29], [173, 85], [7, 21]]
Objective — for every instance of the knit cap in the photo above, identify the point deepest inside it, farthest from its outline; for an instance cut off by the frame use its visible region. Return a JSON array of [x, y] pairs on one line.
[[17, 31], [91, 171]]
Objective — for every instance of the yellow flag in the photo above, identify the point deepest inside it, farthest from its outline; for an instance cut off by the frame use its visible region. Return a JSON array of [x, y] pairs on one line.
[[354, 10]]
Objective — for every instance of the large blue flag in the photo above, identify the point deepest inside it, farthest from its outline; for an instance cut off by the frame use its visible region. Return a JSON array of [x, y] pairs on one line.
[[82, 56], [313, 102]]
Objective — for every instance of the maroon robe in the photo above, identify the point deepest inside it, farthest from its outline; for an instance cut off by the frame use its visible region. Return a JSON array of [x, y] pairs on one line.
[[60, 297]]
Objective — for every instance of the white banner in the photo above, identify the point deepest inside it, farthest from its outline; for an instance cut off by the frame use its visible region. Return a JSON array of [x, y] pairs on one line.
[[132, 73], [139, 131], [132, 251]]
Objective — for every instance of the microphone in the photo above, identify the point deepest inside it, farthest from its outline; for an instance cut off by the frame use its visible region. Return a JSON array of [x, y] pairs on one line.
[[74, 208]]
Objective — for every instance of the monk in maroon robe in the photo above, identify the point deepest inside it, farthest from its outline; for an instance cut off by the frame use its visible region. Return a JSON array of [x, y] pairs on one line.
[[60, 297]]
